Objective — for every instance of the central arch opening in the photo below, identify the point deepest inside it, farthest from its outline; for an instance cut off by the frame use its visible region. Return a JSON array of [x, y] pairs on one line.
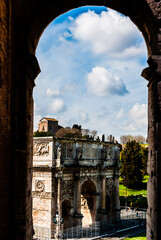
[[88, 203]]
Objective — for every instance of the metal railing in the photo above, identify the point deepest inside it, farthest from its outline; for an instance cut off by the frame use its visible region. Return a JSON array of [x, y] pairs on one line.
[[82, 232], [128, 219], [130, 214]]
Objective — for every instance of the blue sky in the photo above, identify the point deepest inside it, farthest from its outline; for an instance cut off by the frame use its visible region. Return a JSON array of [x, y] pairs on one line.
[[91, 59]]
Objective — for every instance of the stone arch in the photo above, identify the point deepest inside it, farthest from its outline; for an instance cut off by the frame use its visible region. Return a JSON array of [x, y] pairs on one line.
[[23, 23], [145, 23], [93, 181], [88, 202], [66, 214]]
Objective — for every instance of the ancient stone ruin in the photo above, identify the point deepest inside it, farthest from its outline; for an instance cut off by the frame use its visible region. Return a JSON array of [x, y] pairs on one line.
[[74, 181]]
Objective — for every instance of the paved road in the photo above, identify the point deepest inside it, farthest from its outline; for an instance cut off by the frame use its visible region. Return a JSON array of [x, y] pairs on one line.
[[129, 233]]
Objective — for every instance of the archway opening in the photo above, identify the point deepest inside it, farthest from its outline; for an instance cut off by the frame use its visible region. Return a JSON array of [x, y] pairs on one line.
[[88, 203], [97, 79], [66, 214]]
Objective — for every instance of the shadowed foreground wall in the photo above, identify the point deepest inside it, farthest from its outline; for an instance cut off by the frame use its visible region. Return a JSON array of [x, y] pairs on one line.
[[21, 24]]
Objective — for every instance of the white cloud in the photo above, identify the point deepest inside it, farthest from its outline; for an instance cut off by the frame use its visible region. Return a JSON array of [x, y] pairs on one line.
[[57, 106], [52, 93], [129, 128], [120, 113], [84, 116], [107, 32], [101, 82], [138, 114], [70, 18], [70, 61], [133, 51], [135, 121]]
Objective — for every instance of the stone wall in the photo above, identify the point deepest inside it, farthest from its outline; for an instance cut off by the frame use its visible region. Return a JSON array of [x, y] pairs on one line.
[[42, 203], [6, 174], [21, 25]]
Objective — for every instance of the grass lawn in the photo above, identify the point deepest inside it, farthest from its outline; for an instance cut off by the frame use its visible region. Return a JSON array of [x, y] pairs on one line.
[[139, 237], [143, 192], [122, 191], [134, 197]]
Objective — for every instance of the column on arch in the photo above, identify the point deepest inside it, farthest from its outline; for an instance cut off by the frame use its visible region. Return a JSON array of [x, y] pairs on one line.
[[77, 200]]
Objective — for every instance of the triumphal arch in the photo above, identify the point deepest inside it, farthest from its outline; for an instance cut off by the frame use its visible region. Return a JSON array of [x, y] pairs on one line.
[[21, 24], [75, 183]]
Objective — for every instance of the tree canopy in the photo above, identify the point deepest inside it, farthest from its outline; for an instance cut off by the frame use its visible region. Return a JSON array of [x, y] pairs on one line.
[[125, 138], [41, 134], [132, 165], [69, 132], [76, 126]]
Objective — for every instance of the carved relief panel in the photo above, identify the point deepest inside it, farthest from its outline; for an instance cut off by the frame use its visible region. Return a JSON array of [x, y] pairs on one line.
[[41, 149], [40, 185], [67, 186], [109, 183]]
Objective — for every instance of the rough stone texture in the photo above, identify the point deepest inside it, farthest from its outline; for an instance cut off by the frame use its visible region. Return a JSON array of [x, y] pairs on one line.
[[21, 24], [6, 186], [75, 185]]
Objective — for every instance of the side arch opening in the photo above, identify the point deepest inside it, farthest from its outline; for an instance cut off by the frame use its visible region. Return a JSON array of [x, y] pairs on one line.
[[66, 214]]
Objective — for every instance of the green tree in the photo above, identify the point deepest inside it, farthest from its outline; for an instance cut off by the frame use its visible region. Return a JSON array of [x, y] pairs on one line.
[[41, 134], [76, 126], [69, 133], [131, 165]]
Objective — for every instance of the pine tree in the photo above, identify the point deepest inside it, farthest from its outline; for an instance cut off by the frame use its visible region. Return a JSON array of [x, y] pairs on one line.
[[131, 165]]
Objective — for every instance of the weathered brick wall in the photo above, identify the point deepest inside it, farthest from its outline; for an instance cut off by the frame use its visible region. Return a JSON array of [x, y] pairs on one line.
[[29, 20], [5, 118]]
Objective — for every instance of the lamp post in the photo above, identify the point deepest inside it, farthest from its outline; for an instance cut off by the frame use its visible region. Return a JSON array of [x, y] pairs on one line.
[[58, 221]]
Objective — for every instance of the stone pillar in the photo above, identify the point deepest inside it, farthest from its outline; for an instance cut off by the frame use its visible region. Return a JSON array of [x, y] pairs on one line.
[[103, 205], [59, 197], [153, 74], [26, 69], [7, 220], [77, 208], [103, 210], [116, 196]]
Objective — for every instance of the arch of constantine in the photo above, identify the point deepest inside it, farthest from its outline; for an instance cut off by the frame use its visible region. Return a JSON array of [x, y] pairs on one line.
[[22, 23], [74, 181]]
